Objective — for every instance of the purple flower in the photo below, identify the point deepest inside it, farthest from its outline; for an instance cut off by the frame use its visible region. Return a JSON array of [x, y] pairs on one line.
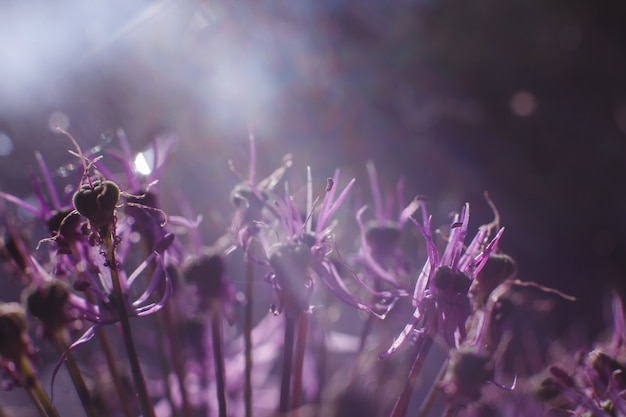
[[440, 293], [56, 213], [380, 237], [137, 295], [302, 251], [251, 200]]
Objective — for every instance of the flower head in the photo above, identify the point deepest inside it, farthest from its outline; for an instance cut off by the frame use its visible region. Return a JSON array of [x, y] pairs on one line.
[[380, 237], [303, 250], [441, 289]]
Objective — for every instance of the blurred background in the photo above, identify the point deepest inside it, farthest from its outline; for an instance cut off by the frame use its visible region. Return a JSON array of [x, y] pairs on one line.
[[524, 99]]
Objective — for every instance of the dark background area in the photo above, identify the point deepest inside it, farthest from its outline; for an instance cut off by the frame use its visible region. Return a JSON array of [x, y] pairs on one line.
[[524, 99]]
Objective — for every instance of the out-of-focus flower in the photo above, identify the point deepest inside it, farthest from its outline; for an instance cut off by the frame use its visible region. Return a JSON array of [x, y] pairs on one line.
[[302, 251], [252, 200], [137, 296], [440, 294], [57, 214], [380, 237]]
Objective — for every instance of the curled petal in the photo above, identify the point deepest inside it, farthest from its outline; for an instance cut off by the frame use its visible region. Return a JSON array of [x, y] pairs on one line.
[[404, 334], [154, 307], [340, 290]]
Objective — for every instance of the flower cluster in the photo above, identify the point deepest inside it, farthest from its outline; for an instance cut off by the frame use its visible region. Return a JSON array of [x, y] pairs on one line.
[[196, 342]]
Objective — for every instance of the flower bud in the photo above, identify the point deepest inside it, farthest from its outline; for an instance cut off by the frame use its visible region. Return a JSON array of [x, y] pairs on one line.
[[207, 273], [449, 282], [97, 201], [47, 302], [13, 338]]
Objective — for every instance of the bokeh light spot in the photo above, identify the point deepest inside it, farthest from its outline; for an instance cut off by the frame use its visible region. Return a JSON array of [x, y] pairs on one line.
[[141, 164], [59, 119], [523, 104], [6, 144]]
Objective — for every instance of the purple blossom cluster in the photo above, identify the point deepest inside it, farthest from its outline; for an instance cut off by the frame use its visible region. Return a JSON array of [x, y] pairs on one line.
[[353, 322]]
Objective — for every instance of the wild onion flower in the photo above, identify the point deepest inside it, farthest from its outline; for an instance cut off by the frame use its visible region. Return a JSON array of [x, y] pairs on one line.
[[380, 237], [54, 212], [299, 254], [217, 295], [252, 200], [442, 286], [440, 294], [604, 368], [302, 251]]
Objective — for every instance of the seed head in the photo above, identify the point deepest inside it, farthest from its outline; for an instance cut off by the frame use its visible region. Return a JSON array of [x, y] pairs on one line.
[[48, 302], [96, 201]]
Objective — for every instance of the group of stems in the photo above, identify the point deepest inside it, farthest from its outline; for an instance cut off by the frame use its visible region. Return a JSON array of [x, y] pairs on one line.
[[135, 367], [34, 388], [218, 355], [247, 335]]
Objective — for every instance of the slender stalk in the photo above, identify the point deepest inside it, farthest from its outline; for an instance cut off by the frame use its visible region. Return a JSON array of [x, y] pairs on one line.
[[400, 408], [247, 335], [61, 339], [179, 365], [290, 325], [163, 360], [105, 345], [33, 397], [303, 324], [135, 367], [218, 355], [35, 389], [115, 373], [432, 392], [367, 328]]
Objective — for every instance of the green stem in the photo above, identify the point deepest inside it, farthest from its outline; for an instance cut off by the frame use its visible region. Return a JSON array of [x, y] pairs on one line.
[[247, 335], [33, 397], [35, 389], [432, 392], [303, 324], [163, 360], [135, 367], [367, 328], [179, 365], [290, 325], [218, 356], [402, 404], [115, 373], [61, 339]]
